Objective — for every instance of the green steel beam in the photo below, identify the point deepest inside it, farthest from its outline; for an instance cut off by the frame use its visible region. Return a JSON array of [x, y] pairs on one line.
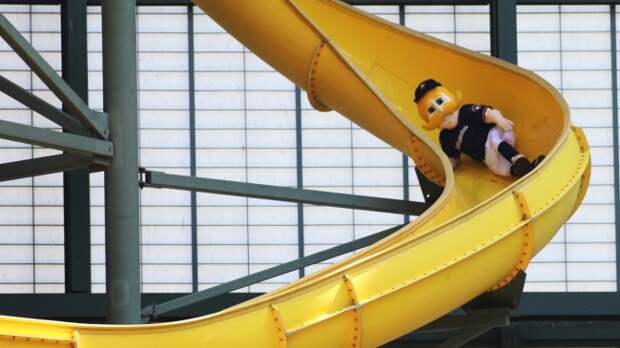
[[405, 158], [192, 142], [76, 184], [56, 140], [535, 332], [92, 307], [299, 166], [584, 329], [120, 99], [47, 165], [615, 130], [41, 106], [504, 29], [156, 310], [95, 121], [279, 193], [29, 2], [560, 304]]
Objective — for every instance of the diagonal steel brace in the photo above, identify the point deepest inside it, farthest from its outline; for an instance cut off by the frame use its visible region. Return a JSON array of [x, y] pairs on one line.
[[95, 121]]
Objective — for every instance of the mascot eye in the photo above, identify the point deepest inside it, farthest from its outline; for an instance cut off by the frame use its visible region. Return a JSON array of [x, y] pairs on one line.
[[431, 109], [439, 101]]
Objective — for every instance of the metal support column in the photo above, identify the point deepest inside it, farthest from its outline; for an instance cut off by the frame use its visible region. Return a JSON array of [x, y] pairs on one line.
[[76, 183], [406, 219], [301, 244], [504, 29], [614, 111], [121, 178], [192, 142]]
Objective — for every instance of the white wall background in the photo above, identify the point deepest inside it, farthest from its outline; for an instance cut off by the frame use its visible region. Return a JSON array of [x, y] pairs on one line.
[[31, 213], [245, 127], [570, 46]]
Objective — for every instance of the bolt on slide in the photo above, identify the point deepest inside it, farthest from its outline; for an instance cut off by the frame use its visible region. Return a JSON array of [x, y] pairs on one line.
[[478, 235]]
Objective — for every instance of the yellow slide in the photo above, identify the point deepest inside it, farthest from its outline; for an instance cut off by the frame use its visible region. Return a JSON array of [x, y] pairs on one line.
[[476, 237]]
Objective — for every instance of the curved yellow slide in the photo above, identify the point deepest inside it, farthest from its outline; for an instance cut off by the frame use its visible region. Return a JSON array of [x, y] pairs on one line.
[[476, 237]]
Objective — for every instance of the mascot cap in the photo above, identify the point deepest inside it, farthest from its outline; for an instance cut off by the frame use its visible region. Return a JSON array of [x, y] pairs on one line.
[[424, 87]]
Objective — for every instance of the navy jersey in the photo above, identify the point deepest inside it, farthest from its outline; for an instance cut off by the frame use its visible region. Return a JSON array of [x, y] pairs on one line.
[[470, 134]]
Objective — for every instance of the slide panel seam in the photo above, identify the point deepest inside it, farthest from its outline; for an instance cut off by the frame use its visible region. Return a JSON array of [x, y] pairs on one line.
[[313, 97], [581, 138], [416, 154], [76, 339], [585, 178], [357, 333], [279, 326], [581, 169], [37, 339], [321, 319], [527, 250]]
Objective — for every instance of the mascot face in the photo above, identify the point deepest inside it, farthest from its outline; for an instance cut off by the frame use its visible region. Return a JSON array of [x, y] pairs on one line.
[[436, 104]]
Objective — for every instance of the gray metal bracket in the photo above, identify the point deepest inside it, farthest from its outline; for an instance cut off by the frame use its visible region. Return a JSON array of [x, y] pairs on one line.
[[90, 119], [508, 296], [476, 329], [485, 312], [430, 190], [464, 328], [494, 317]]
